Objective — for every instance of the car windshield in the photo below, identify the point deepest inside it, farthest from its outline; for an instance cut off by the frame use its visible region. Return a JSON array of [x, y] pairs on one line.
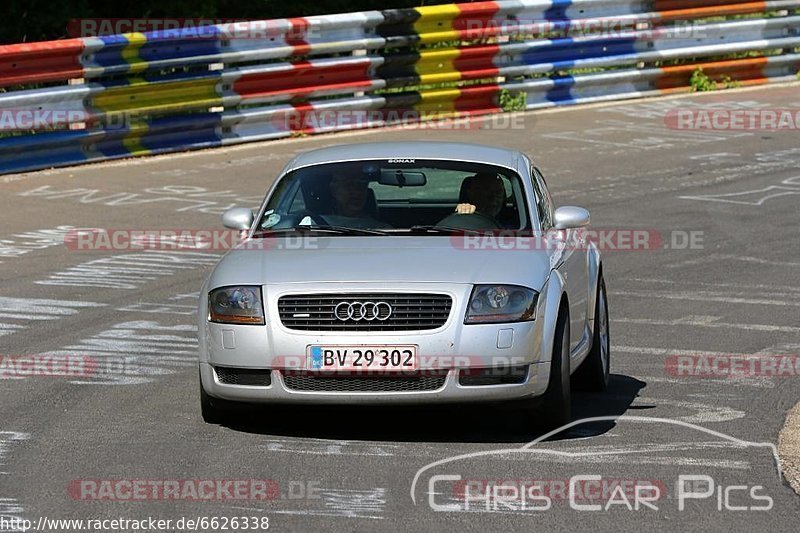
[[397, 196]]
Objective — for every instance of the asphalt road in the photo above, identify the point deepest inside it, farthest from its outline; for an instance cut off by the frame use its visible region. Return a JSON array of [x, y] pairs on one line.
[[137, 418]]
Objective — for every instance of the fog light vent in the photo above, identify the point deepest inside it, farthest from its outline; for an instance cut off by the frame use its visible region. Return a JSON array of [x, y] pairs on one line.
[[478, 377], [252, 377]]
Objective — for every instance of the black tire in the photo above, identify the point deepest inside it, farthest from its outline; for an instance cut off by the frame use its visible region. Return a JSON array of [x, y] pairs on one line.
[[211, 412], [554, 408], [594, 372]]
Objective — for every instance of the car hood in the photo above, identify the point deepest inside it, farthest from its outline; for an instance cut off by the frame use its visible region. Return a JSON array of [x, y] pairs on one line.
[[380, 259]]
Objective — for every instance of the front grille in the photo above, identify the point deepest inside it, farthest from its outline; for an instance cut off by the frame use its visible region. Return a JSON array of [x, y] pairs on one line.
[[244, 376], [308, 382], [410, 312]]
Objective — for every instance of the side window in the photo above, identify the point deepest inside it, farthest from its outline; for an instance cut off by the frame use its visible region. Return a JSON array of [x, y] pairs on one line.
[[551, 207], [544, 203]]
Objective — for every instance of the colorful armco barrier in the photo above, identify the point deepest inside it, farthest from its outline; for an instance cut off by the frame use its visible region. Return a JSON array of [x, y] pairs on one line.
[[146, 93]]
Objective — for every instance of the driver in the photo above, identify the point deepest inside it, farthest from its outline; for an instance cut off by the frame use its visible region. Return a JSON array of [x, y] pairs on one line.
[[485, 194], [350, 192]]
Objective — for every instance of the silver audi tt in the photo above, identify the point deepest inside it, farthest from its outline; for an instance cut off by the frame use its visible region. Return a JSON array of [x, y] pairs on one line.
[[404, 273]]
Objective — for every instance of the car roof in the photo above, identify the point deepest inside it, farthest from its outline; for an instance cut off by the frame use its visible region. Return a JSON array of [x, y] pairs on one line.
[[450, 151]]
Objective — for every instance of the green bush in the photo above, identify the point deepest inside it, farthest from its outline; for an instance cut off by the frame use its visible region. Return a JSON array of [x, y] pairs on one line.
[[512, 102], [700, 82]]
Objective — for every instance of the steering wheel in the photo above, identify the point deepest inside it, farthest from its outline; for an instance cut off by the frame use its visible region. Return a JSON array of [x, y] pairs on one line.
[[487, 219], [471, 221]]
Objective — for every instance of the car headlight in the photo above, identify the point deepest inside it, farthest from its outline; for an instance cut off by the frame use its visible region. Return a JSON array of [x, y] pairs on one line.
[[501, 303], [236, 305]]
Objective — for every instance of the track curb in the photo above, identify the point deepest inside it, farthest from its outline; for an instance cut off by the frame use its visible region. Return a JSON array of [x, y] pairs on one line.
[[789, 447]]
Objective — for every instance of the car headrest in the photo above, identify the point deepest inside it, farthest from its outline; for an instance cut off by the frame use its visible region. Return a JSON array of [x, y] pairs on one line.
[[371, 204], [463, 197], [465, 185]]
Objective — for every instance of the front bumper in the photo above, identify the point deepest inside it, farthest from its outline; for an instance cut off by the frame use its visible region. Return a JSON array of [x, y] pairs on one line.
[[451, 392], [452, 347]]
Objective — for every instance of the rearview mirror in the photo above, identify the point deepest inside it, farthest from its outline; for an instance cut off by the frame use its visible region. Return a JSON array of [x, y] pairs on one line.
[[238, 218], [569, 216], [402, 178]]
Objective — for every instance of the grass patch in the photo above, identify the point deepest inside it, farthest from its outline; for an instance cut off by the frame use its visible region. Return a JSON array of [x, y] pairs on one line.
[[512, 102], [700, 82]]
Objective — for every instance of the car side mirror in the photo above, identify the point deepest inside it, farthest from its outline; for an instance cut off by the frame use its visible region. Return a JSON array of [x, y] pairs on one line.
[[569, 216], [238, 218]]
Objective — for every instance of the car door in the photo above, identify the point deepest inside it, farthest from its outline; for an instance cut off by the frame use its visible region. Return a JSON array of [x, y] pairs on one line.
[[570, 260]]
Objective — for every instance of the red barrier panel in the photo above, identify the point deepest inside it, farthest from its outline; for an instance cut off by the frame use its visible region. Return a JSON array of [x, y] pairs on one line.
[[304, 78], [40, 62]]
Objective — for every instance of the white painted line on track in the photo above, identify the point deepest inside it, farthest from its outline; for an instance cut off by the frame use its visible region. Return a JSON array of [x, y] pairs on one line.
[[717, 258], [136, 352], [754, 197], [26, 310], [183, 198], [342, 503], [763, 383], [10, 508], [674, 351], [703, 412], [328, 447], [30, 241], [708, 322], [129, 271], [633, 458], [758, 287], [706, 296]]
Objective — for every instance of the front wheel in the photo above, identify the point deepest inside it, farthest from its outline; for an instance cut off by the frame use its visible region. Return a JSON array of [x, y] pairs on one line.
[[594, 372], [554, 408], [557, 399]]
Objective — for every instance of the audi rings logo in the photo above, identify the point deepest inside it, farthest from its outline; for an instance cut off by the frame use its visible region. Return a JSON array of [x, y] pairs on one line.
[[358, 311]]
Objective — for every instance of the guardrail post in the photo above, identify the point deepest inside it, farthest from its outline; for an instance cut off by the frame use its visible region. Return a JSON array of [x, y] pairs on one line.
[[359, 53], [215, 67]]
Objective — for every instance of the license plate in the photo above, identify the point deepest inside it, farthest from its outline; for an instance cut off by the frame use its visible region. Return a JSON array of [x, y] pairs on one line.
[[361, 358]]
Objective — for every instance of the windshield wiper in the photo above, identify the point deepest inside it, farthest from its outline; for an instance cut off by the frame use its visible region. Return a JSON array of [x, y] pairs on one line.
[[444, 229], [341, 230]]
